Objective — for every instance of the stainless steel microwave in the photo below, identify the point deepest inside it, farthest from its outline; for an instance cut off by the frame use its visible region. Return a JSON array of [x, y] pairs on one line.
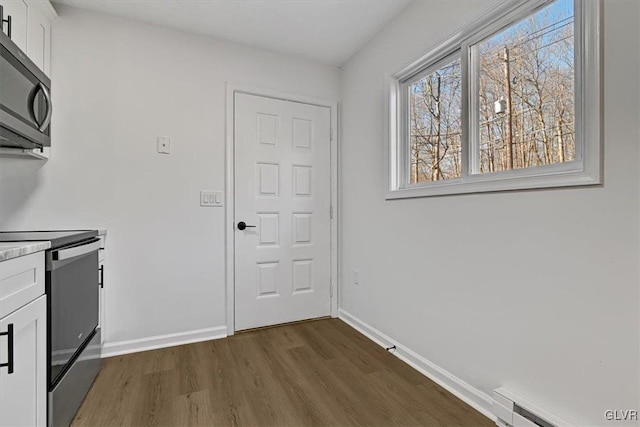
[[25, 100]]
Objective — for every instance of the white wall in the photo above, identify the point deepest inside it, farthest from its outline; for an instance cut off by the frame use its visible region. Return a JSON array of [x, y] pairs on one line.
[[534, 290], [117, 85], [566, 335]]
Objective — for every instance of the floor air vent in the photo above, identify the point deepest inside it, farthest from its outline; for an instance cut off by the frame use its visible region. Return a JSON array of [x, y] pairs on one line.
[[514, 411]]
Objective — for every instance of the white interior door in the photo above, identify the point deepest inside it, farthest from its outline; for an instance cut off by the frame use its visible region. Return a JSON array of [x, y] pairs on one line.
[[282, 187]]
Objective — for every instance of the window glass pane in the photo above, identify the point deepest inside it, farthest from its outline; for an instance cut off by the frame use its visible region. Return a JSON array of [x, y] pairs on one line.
[[526, 92], [435, 125]]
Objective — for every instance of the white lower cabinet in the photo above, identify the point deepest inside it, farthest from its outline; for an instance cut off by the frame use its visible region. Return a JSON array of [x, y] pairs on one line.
[[103, 299], [23, 384], [102, 308]]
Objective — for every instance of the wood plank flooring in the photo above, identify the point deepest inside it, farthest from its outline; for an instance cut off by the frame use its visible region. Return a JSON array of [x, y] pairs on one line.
[[306, 374]]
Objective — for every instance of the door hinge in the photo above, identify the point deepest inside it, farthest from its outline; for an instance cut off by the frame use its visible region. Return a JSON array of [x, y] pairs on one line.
[[330, 288], [330, 212], [331, 134]]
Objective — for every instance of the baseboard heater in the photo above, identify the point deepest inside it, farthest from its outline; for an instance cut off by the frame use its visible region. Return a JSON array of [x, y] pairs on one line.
[[513, 410]]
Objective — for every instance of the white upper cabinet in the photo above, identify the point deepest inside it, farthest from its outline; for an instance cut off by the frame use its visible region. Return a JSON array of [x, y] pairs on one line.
[[31, 28], [15, 11], [39, 36]]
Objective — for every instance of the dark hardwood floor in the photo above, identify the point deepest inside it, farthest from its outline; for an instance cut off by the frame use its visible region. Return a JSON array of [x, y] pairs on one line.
[[313, 373]]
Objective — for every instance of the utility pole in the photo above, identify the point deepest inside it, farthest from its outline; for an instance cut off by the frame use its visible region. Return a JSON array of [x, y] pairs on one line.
[[416, 149], [507, 80], [435, 170]]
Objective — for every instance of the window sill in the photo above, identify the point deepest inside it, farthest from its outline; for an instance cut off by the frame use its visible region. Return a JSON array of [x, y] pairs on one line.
[[494, 183]]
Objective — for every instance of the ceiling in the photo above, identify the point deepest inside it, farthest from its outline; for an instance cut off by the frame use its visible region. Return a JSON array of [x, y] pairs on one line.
[[326, 31]]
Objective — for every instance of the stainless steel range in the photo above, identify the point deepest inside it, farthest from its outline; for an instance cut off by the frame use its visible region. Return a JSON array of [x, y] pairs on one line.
[[73, 336]]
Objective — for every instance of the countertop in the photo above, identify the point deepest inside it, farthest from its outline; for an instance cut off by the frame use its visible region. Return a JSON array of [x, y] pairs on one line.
[[10, 250]]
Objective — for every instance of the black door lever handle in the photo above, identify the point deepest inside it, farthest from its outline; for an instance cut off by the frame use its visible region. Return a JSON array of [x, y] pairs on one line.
[[242, 225]]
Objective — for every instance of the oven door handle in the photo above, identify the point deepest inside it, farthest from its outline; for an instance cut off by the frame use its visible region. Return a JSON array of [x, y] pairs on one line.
[[76, 251]]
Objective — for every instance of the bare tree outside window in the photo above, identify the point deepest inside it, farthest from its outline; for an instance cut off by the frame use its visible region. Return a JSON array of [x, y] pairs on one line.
[[526, 92], [495, 106], [435, 103]]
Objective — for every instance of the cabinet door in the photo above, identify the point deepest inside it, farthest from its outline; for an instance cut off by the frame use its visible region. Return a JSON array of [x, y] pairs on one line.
[[17, 9], [103, 311], [103, 299], [21, 281], [23, 392], [39, 38]]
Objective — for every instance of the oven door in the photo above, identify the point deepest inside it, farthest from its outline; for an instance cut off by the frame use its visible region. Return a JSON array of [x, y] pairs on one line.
[[73, 303]]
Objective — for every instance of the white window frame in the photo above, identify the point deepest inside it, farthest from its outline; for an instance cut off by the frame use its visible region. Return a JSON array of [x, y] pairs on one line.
[[586, 169], [403, 99]]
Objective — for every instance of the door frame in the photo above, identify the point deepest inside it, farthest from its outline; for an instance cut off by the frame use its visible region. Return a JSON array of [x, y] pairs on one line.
[[232, 90]]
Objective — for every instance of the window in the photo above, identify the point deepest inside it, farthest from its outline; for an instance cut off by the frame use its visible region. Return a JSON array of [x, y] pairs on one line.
[[510, 103], [435, 137]]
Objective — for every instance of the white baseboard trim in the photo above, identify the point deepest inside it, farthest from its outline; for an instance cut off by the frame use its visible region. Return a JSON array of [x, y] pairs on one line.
[[162, 341], [473, 397]]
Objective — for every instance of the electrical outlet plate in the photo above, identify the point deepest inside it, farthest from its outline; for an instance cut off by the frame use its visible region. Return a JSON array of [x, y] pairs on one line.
[[211, 198], [164, 145]]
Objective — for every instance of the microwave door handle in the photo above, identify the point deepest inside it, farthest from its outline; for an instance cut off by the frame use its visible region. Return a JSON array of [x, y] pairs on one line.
[[34, 113], [47, 118]]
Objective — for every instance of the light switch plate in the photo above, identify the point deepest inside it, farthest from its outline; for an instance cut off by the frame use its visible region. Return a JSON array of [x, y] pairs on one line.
[[164, 145], [211, 198]]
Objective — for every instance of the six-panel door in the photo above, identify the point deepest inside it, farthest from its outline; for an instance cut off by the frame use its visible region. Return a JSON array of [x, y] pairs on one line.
[[282, 187]]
